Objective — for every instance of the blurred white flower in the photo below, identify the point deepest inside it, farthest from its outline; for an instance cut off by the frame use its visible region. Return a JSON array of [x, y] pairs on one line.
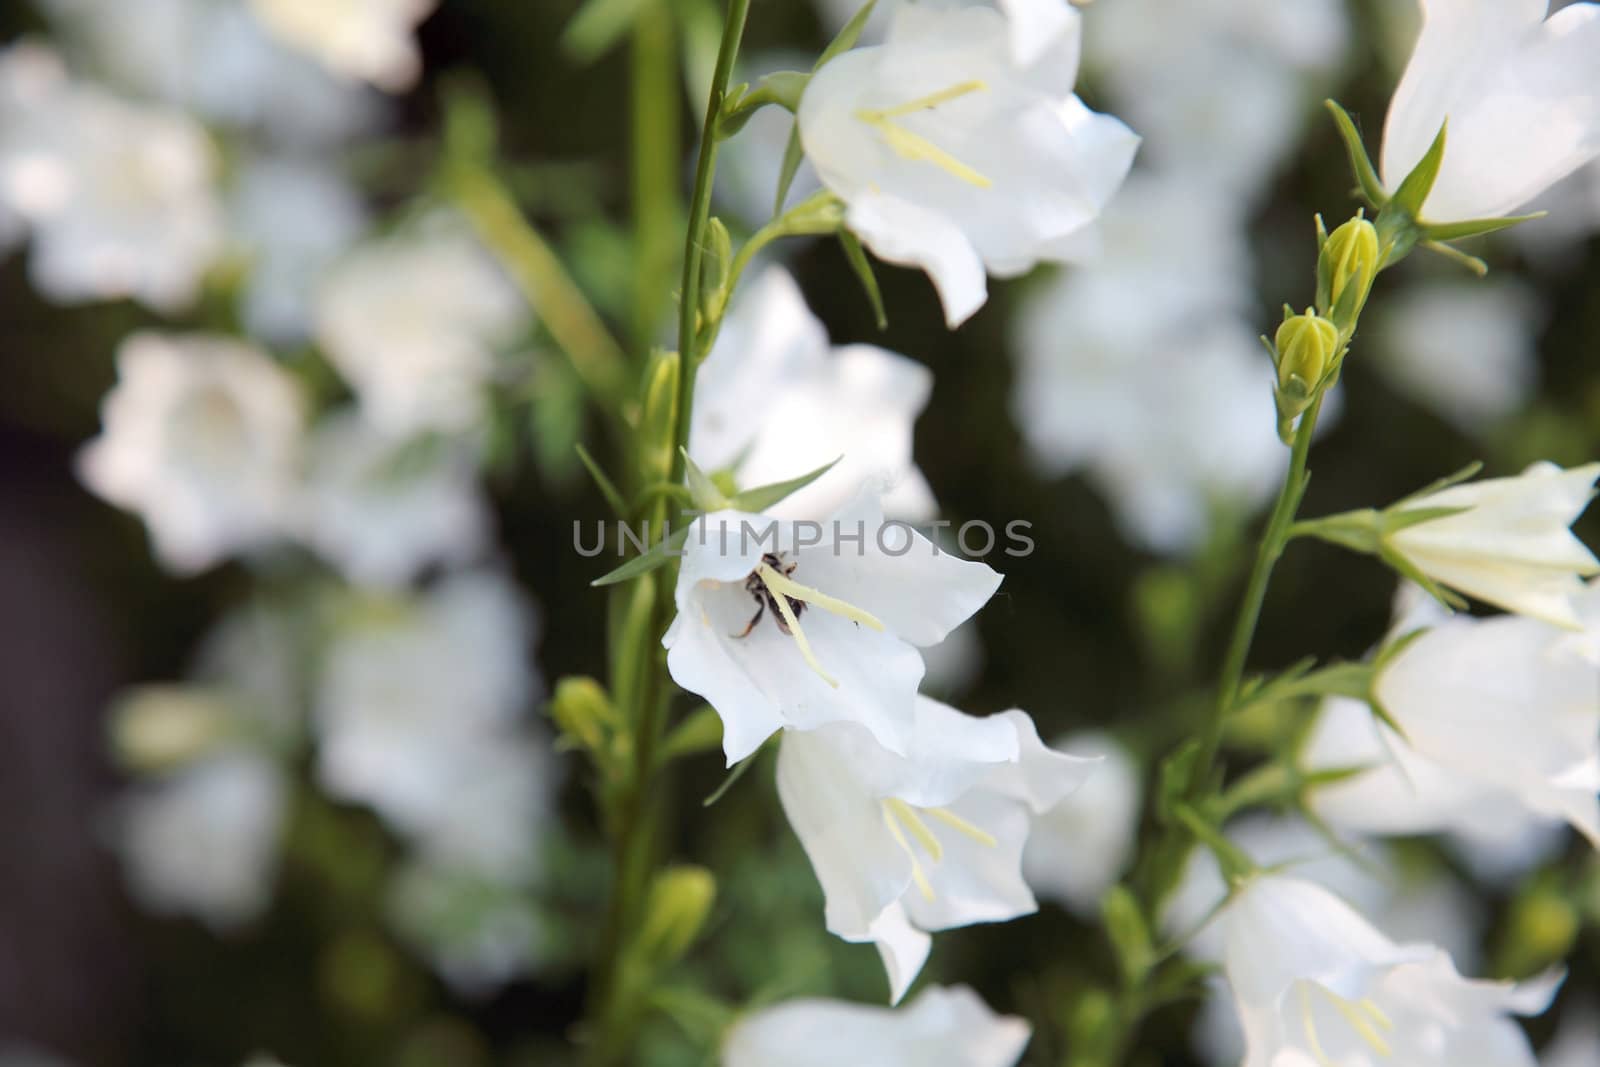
[[418, 708], [870, 592], [954, 157], [477, 935], [200, 437], [368, 40], [940, 1028], [119, 196], [1522, 96], [1314, 982], [291, 218], [383, 510], [1577, 1043], [1220, 90], [204, 841], [1511, 546], [1468, 350], [414, 323], [1080, 847], [927, 841], [773, 372]]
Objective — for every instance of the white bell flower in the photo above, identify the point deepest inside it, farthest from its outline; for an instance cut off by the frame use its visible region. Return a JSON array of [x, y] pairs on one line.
[[414, 323], [368, 40], [772, 372], [477, 936], [941, 1028], [200, 436], [930, 840], [383, 511], [1506, 703], [953, 156], [1079, 848], [1522, 96], [870, 593], [1315, 983], [1511, 546]]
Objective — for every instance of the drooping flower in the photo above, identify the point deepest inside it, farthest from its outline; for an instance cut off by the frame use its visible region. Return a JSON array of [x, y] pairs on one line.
[[1511, 545], [383, 510], [200, 437], [119, 197], [940, 1028], [870, 592], [1521, 94], [1080, 847], [774, 401], [414, 323], [930, 840], [369, 40], [954, 156], [1315, 983]]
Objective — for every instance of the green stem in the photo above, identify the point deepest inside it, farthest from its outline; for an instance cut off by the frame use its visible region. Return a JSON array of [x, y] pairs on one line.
[[656, 159]]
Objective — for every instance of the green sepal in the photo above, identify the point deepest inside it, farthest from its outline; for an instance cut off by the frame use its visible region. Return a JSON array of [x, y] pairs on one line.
[[1393, 521], [607, 487], [793, 155], [1406, 569], [763, 497], [1466, 259], [1456, 231], [1236, 864], [1414, 190], [598, 26], [1128, 932], [1177, 778], [668, 548], [848, 36], [782, 88], [703, 492], [1367, 180], [736, 772], [856, 256], [1439, 485], [1359, 531]]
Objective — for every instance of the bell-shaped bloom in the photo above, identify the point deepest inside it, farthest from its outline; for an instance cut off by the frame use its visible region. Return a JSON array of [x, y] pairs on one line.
[[772, 370], [1507, 704], [1511, 545], [930, 840], [1522, 96], [1315, 983], [800, 624], [368, 40], [200, 436], [940, 1028], [954, 157], [1080, 847]]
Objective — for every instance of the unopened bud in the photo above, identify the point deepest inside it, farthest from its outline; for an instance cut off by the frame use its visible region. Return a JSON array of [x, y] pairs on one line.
[[680, 899], [158, 727], [658, 414], [1350, 257], [1307, 345], [582, 710]]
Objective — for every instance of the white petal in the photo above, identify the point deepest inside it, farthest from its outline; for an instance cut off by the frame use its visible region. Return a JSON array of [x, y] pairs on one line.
[[1036, 26], [976, 882], [899, 231], [902, 947]]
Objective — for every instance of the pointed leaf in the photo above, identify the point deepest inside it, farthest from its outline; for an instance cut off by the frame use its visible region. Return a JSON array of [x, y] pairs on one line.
[[763, 497], [793, 155], [857, 256], [849, 35], [702, 490], [1470, 471], [738, 771], [607, 488], [1471, 262], [1455, 231], [661, 552], [1413, 192], [1406, 569], [1366, 174]]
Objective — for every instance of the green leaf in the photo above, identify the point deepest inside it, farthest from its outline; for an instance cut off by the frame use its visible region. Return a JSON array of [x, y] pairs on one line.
[[1366, 174], [763, 497], [857, 257], [662, 551], [793, 155], [849, 35], [1413, 192], [1456, 231], [782, 88], [608, 489], [702, 490], [598, 26]]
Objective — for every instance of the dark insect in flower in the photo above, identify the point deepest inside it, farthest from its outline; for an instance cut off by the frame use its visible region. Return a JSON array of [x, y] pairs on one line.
[[765, 600]]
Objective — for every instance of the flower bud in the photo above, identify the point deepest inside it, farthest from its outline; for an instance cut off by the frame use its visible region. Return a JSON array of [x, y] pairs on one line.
[[1306, 346], [158, 727], [1351, 255], [582, 710], [658, 414], [680, 899]]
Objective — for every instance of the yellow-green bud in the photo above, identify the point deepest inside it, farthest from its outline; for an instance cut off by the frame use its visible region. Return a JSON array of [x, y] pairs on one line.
[[658, 414], [157, 727], [680, 899], [1351, 255], [1307, 345], [583, 711]]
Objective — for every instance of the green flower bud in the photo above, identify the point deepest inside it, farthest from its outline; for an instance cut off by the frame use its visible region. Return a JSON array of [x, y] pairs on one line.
[[658, 414], [1307, 346], [583, 711], [680, 899], [1351, 255]]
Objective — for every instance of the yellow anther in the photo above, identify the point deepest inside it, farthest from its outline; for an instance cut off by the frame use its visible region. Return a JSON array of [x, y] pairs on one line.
[[917, 875], [1361, 1017], [951, 819], [919, 829], [782, 585], [915, 147], [1311, 1028], [799, 636]]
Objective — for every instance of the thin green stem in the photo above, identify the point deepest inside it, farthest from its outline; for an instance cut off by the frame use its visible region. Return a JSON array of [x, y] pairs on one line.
[[656, 161]]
